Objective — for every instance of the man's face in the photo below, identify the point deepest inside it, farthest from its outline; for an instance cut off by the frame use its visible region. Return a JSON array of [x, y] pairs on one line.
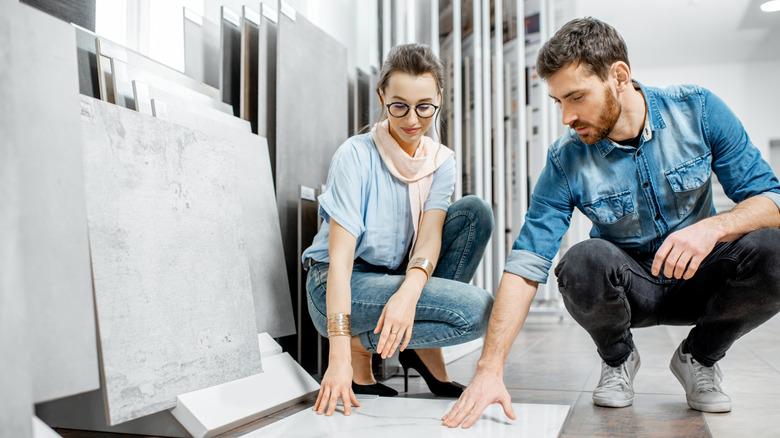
[[588, 104]]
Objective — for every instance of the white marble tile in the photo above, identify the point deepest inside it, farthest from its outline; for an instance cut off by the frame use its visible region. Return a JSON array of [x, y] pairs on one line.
[[380, 417], [171, 273]]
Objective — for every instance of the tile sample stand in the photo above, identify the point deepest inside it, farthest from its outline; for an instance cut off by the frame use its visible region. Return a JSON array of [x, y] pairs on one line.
[[223, 407], [171, 275], [41, 430], [394, 417], [211, 411]]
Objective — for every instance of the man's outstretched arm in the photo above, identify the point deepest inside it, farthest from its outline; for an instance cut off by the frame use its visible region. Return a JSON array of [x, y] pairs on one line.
[[684, 250], [510, 309]]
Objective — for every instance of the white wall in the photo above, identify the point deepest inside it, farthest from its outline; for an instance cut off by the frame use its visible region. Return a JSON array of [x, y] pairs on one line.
[[750, 89]]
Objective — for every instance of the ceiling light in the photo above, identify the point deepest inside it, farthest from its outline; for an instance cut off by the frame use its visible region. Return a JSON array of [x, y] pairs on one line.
[[771, 6]]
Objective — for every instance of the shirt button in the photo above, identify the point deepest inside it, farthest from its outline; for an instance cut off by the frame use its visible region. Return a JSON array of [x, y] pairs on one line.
[[658, 217], [645, 184]]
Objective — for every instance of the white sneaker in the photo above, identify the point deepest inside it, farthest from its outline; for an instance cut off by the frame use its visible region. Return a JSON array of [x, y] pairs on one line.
[[616, 386], [701, 383]]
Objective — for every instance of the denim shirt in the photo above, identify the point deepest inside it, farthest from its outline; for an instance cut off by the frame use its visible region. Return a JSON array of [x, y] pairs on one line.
[[373, 205], [636, 196]]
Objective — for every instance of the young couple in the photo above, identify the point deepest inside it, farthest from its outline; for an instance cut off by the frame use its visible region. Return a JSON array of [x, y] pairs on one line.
[[637, 160]]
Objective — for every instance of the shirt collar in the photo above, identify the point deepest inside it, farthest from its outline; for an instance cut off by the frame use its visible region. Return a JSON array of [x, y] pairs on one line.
[[653, 121]]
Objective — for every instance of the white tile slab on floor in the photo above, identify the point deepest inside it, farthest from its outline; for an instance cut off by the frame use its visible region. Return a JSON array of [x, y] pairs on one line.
[[406, 417]]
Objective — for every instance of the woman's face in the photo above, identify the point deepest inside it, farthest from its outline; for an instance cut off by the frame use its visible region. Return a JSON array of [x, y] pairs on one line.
[[410, 90]]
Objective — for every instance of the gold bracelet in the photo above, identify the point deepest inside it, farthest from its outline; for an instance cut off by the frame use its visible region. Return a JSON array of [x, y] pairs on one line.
[[339, 325], [421, 263]]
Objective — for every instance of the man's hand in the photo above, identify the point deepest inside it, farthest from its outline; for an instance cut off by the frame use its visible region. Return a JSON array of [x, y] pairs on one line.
[[485, 389], [683, 251]]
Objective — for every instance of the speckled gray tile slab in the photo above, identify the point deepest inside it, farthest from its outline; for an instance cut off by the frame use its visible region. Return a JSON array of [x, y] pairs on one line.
[[171, 274], [270, 286], [53, 230]]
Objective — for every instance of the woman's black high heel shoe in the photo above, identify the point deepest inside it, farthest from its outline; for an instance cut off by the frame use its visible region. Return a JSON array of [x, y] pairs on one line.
[[374, 389], [410, 359]]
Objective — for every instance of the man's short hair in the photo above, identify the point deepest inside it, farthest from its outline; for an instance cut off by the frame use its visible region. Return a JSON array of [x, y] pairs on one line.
[[587, 41]]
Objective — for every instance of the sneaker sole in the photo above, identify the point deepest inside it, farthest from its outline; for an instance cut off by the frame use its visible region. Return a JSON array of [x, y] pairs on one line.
[[612, 403], [703, 407], [713, 408]]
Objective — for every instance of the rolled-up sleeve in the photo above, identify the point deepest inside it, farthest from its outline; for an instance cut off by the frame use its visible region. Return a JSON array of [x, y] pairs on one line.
[[741, 170], [442, 187], [342, 199], [547, 220]]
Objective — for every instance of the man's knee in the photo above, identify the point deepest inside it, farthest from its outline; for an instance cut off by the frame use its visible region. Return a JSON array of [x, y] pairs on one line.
[[585, 259], [762, 250]]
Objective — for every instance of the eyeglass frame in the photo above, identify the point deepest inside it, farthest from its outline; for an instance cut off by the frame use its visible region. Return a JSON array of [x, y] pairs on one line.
[[435, 109]]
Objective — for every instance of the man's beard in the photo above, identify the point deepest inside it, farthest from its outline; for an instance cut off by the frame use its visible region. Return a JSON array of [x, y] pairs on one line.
[[606, 122]]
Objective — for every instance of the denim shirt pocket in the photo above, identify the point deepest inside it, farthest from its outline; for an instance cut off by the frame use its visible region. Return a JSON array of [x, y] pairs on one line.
[[687, 179], [614, 215]]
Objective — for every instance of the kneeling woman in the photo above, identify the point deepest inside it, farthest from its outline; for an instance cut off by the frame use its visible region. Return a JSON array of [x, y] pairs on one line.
[[391, 264]]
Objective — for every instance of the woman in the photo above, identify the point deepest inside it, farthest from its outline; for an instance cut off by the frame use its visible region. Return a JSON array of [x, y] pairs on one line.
[[391, 264]]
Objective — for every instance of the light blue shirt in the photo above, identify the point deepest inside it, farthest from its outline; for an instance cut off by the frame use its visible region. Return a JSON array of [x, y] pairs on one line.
[[372, 204], [636, 197]]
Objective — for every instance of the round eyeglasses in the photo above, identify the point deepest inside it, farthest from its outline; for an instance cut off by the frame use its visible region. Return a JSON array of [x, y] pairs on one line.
[[400, 109]]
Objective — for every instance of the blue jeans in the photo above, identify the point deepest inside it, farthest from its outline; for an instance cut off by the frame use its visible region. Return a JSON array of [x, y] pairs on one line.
[[608, 291], [450, 311]]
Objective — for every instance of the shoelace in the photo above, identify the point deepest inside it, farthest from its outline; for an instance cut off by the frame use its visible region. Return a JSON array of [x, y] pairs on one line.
[[707, 378], [615, 376]]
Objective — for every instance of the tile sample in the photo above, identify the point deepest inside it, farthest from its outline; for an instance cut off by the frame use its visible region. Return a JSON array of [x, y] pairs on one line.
[[171, 275], [201, 48], [307, 135], [230, 70], [266, 80], [86, 54], [54, 239], [250, 22], [80, 12], [397, 417], [15, 373], [270, 286]]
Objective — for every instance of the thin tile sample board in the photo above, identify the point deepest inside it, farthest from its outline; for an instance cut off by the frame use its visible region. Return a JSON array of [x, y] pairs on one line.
[[171, 275], [201, 48], [411, 417], [53, 233]]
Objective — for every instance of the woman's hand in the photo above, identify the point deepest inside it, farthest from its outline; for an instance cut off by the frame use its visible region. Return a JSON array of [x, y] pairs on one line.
[[397, 320], [336, 383]]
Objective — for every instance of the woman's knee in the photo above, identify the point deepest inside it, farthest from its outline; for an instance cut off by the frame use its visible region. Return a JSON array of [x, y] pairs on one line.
[[479, 211], [476, 312]]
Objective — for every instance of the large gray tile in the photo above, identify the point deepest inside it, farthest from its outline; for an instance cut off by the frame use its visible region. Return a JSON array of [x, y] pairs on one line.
[[171, 274], [270, 285], [54, 233], [304, 150], [652, 415], [752, 415]]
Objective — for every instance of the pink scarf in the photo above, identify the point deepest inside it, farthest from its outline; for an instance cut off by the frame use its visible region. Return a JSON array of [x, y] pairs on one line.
[[416, 171]]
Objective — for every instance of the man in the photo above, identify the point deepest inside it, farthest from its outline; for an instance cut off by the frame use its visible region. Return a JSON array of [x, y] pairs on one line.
[[638, 162]]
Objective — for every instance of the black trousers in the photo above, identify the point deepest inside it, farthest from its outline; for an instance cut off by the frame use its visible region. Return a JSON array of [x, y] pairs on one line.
[[608, 291]]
